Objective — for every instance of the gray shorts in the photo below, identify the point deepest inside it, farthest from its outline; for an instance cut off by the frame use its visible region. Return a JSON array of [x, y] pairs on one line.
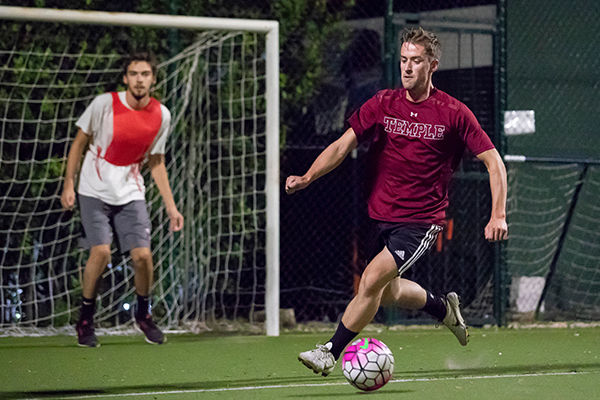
[[129, 222]]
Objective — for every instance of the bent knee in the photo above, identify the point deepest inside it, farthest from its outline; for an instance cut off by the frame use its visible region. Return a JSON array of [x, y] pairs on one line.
[[372, 285], [141, 256], [391, 294], [100, 253]]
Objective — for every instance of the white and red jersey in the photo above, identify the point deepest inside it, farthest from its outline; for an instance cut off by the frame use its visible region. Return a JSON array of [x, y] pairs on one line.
[[121, 139]]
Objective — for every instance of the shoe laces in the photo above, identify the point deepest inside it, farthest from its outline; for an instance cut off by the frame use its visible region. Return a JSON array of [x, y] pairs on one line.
[[323, 348], [324, 352]]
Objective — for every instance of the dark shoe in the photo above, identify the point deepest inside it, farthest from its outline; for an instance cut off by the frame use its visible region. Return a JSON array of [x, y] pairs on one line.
[[150, 330], [85, 334]]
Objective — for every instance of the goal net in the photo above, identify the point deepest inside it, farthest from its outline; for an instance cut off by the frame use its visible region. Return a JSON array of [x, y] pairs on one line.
[[553, 251], [221, 271]]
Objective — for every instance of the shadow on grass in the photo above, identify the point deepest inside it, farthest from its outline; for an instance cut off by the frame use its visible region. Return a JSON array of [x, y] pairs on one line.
[[71, 342], [372, 395], [63, 341], [157, 389], [298, 380]]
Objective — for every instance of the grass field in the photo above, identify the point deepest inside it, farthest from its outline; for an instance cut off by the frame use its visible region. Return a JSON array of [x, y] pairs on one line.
[[497, 364]]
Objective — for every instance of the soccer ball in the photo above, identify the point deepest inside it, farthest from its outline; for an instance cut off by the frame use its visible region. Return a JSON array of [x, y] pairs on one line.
[[368, 364]]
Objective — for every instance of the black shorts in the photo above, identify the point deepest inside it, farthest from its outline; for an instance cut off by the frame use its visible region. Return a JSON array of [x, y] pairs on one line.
[[406, 241]]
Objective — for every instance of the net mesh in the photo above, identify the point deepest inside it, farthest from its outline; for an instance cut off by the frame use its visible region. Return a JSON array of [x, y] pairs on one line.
[[213, 272], [541, 197]]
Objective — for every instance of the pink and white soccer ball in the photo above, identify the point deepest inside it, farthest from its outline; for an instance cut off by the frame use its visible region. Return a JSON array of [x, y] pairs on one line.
[[368, 364]]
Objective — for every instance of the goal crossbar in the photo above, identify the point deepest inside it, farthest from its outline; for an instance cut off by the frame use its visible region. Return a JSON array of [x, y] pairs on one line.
[[136, 19], [271, 30]]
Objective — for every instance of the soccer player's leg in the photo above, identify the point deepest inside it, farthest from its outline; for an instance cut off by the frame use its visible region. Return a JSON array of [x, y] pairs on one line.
[[132, 225], [413, 242], [96, 263], [98, 236], [142, 263], [409, 295], [359, 312]]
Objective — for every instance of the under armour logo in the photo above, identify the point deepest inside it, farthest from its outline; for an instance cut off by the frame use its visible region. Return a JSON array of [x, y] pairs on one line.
[[400, 253], [412, 114]]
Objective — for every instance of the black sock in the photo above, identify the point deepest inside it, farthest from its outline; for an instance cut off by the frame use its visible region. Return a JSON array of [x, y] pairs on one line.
[[435, 306], [143, 307], [88, 307], [340, 340]]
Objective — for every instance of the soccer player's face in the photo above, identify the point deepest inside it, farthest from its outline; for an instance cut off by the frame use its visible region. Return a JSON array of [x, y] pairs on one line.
[[416, 67], [139, 79]]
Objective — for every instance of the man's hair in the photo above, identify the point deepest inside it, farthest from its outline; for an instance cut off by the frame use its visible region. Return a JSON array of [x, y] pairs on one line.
[[137, 56], [424, 38]]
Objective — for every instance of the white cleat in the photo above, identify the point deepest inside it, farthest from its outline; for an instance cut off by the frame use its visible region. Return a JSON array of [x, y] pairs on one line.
[[320, 360], [454, 320]]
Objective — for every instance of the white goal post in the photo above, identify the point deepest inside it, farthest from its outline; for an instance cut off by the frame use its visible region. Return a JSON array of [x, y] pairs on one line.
[[271, 97]]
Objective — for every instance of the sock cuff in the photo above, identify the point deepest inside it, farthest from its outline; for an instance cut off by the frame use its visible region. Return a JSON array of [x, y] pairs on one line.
[[86, 301], [143, 305], [341, 338], [435, 306], [342, 326]]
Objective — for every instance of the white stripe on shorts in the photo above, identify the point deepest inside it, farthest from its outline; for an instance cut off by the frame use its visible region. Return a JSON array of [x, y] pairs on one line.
[[425, 244]]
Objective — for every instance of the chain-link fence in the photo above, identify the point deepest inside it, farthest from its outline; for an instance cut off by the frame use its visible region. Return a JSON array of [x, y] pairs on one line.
[[488, 50], [553, 256], [326, 233], [337, 54], [333, 58], [554, 73]]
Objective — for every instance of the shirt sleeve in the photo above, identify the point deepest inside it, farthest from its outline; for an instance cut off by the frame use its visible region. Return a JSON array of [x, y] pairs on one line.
[[91, 119], [471, 132], [364, 120], [161, 138]]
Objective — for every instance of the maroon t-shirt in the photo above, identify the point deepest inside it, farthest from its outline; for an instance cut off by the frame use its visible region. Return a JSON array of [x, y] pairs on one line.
[[414, 149]]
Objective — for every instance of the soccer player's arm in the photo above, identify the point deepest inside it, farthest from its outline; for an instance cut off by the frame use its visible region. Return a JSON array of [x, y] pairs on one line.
[[158, 170], [327, 161], [80, 143], [496, 229]]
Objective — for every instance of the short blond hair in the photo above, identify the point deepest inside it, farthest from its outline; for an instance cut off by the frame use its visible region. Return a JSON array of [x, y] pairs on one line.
[[424, 38]]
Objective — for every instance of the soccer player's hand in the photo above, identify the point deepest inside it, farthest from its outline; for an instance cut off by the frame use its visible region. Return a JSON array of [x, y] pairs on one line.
[[294, 183], [67, 198], [496, 230], [175, 220]]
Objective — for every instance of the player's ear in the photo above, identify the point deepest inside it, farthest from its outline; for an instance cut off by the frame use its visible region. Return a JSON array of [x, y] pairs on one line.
[[125, 79], [435, 63]]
